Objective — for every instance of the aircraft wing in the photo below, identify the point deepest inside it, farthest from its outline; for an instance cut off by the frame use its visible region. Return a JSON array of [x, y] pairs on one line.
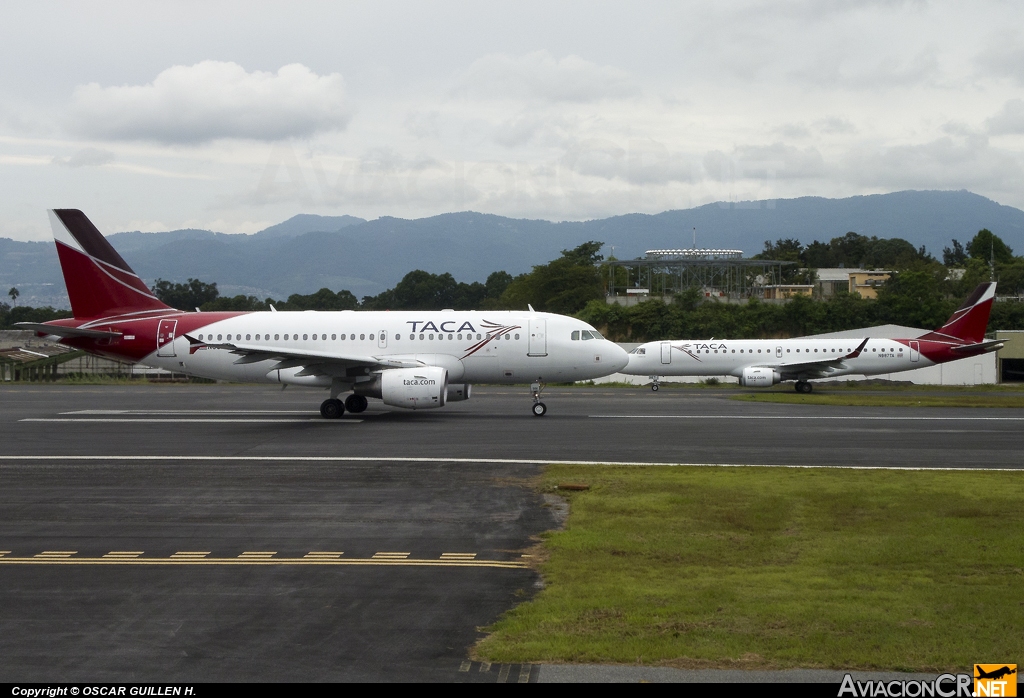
[[313, 363], [62, 331], [817, 368]]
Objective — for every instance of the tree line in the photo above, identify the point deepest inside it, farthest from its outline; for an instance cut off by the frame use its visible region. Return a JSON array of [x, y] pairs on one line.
[[923, 293]]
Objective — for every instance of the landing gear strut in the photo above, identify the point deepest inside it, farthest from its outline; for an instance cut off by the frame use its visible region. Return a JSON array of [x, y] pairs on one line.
[[332, 408], [655, 382], [539, 408], [803, 387]]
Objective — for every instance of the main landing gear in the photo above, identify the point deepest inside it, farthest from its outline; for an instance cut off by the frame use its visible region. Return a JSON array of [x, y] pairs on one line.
[[803, 387], [356, 403], [334, 408], [539, 408]]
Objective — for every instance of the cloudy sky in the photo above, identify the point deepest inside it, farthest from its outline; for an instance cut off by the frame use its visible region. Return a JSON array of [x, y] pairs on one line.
[[235, 116]]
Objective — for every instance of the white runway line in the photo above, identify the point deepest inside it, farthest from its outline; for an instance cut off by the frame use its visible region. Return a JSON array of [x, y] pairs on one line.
[[171, 420], [807, 417], [483, 461]]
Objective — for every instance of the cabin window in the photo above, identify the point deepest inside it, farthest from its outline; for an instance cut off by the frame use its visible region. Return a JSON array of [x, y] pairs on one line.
[[371, 336], [733, 351], [276, 336], [247, 337], [422, 335], [517, 335], [459, 336], [218, 337], [362, 336], [815, 351], [305, 337], [430, 336]]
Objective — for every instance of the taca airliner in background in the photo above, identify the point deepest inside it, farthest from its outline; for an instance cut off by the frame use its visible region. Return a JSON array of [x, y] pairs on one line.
[[414, 360], [761, 363]]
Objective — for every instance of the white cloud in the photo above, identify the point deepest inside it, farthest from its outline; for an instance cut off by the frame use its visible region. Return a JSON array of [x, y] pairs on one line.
[[776, 161], [86, 157], [1009, 120], [214, 99], [540, 76], [968, 162]]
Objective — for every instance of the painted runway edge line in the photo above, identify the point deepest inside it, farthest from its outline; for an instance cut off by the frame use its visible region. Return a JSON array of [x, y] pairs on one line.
[[484, 461]]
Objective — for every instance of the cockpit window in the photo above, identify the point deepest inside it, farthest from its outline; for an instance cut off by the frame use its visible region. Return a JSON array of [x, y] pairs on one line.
[[575, 335], [639, 350]]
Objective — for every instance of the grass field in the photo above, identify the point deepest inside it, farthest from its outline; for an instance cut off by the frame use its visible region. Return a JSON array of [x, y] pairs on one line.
[[766, 567], [889, 399]]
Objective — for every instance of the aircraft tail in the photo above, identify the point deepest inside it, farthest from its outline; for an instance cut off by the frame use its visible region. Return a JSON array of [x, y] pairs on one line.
[[100, 283], [970, 320]]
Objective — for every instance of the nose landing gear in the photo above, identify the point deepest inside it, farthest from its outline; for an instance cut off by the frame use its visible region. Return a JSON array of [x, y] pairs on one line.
[[539, 408], [655, 382]]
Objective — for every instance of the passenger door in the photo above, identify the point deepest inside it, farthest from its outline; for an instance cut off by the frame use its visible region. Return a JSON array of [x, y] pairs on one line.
[[538, 338], [165, 337], [666, 352]]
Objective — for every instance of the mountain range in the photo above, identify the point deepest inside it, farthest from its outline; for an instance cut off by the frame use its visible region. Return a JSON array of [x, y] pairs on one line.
[[308, 252]]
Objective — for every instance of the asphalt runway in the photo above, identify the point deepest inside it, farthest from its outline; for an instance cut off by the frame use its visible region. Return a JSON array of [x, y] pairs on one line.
[[211, 532]]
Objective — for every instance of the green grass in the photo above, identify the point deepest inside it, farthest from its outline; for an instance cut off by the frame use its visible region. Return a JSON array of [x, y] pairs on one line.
[[763, 567], [900, 399]]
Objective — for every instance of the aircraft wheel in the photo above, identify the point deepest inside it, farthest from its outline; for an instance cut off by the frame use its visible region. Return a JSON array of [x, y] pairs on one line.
[[803, 387], [539, 409], [654, 387], [356, 403], [332, 409]]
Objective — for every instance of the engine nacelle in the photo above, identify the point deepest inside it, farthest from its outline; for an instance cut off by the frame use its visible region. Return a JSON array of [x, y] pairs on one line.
[[459, 391], [759, 377], [412, 388]]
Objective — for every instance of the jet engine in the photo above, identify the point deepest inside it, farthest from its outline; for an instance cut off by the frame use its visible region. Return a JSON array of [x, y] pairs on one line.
[[412, 388], [459, 391], [759, 377]]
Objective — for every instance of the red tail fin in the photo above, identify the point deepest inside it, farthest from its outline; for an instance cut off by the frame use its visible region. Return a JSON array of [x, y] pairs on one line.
[[970, 320], [100, 283]]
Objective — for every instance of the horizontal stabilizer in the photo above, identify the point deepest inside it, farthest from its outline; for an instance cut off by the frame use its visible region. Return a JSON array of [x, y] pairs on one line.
[[979, 348], [61, 331]]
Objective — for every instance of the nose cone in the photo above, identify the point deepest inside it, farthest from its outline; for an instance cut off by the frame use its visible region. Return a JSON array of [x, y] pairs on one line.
[[618, 359]]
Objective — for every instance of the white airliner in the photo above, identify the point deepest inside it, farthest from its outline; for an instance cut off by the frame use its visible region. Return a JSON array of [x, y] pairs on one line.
[[415, 360], [761, 363]]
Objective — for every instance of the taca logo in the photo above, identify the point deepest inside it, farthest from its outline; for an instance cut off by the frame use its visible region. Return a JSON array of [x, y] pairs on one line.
[[440, 327]]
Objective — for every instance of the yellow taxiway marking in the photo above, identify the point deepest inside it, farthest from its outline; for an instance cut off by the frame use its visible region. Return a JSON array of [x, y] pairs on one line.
[[325, 555], [123, 554], [390, 556], [59, 554], [458, 556], [201, 559], [258, 555]]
